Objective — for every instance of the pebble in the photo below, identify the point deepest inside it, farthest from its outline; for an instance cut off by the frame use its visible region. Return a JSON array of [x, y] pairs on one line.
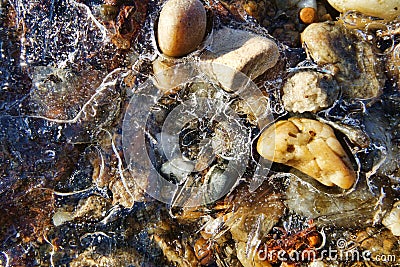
[[61, 217], [392, 220], [309, 146], [309, 91], [393, 65], [181, 27], [386, 9], [242, 51], [308, 15], [356, 68], [353, 209], [93, 206], [379, 243]]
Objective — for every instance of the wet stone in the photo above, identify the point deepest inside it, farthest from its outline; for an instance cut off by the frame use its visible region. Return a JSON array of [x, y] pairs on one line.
[[66, 188], [379, 242], [308, 15], [94, 207], [392, 220], [350, 59], [309, 146], [242, 51], [309, 91], [181, 27], [386, 9], [353, 209]]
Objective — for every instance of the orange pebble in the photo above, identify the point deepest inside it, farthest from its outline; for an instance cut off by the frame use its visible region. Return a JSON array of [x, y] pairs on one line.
[[308, 15]]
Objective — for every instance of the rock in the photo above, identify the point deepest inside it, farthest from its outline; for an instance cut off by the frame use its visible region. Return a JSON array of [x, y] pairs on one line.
[[308, 15], [379, 243], [256, 9], [393, 65], [309, 146], [181, 27], [253, 216], [386, 9], [251, 260], [178, 167], [356, 68], [60, 217], [309, 91], [94, 207], [242, 51], [184, 256], [392, 220], [167, 79], [254, 211], [348, 210], [117, 257]]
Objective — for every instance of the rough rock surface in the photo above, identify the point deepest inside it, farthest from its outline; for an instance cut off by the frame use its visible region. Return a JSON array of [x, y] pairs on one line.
[[309, 91], [309, 146], [94, 207], [352, 61], [181, 27]]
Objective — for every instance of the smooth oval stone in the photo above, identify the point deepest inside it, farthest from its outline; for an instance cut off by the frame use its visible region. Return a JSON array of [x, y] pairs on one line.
[[181, 27], [386, 9]]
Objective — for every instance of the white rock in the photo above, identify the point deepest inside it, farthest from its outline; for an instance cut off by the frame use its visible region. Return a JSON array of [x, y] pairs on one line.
[[309, 91], [392, 220], [179, 167], [242, 51], [386, 9], [181, 27], [60, 217]]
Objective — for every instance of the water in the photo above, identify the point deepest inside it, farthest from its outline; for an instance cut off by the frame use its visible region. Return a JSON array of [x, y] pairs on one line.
[[64, 90]]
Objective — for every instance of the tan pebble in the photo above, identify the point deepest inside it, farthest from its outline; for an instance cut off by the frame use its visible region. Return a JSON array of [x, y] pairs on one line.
[[251, 8], [386, 9], [242, 51], [309, 146], [308, 15], [181, 27]]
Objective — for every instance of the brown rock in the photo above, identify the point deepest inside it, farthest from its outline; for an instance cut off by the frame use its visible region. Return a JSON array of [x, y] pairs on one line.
[[332, 46], [181, 27]]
